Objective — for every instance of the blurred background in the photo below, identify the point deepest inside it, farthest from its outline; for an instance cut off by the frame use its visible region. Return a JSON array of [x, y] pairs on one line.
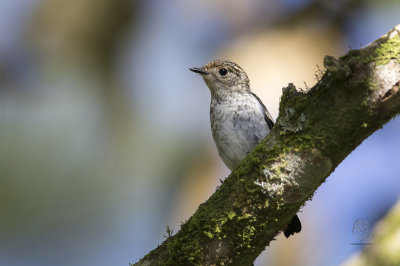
[[105, 136]]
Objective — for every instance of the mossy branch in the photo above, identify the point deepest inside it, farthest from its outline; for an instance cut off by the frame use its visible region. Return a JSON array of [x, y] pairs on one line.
[[314, 132]]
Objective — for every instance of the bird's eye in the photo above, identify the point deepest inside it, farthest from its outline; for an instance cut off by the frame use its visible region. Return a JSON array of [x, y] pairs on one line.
[[223, 71]]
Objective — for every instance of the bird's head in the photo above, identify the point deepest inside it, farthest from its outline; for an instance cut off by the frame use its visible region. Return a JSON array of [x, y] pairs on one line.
[[223, 76]]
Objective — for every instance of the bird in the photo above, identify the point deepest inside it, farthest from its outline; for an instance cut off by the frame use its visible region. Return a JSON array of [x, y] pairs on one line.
[[239, 119]]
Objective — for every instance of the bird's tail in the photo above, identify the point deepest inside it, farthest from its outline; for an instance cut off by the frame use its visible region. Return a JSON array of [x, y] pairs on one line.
[[293, 227]]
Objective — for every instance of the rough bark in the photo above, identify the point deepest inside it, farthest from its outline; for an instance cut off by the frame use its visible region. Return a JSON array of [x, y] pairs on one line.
[[315, 131]]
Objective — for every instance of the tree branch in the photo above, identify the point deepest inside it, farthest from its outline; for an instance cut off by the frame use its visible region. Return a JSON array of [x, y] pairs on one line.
[[314, 132]]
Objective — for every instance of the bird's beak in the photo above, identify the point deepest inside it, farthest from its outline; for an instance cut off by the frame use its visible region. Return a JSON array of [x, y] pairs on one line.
[[199, 70]]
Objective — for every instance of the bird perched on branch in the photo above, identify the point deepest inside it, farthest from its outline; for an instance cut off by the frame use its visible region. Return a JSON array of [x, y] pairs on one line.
[[239, 120]]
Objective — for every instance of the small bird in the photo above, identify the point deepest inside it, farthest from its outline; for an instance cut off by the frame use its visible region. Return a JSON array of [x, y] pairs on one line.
[[239, 120]]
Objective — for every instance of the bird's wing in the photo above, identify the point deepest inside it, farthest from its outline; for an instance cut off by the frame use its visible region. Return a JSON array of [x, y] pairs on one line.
[[268, 118]]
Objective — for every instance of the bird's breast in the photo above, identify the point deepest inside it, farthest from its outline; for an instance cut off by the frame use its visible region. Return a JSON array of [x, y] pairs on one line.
[[237, 127]]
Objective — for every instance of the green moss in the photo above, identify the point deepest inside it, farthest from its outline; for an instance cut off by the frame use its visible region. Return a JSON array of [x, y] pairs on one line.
[[231, 215], [209, 234], [380, 53], [386, 51]]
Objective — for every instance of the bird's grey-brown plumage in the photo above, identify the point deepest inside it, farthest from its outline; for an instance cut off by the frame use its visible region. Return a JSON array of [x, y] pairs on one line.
[[239, 120], [238, 124]]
